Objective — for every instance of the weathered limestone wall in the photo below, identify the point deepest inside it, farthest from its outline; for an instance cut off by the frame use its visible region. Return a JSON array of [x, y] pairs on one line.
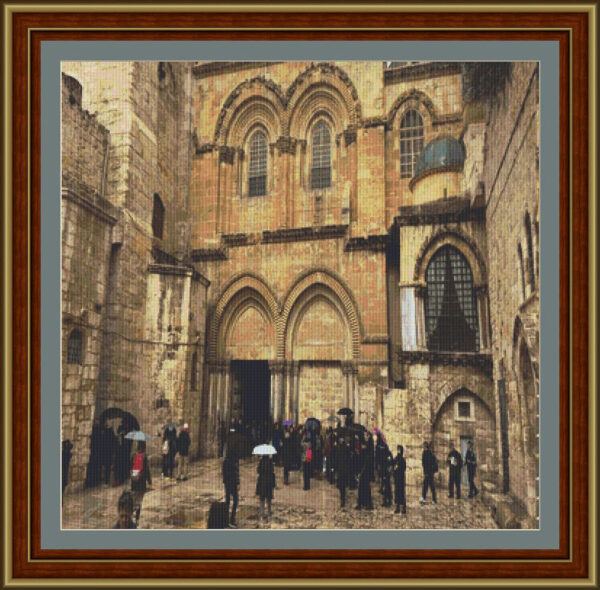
[[87, 221], [512, 189]]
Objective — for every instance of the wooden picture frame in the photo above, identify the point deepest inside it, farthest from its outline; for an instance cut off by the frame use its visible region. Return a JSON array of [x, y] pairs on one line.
[[26, 26]]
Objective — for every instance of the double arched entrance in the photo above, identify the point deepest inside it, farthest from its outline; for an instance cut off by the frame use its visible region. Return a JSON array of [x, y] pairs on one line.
[[287, 359]]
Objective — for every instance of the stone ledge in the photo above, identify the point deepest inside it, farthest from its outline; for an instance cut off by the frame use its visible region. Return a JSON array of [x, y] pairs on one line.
[[299, 234], [451, 210], [209, 254], [374, 243], [464, 359]]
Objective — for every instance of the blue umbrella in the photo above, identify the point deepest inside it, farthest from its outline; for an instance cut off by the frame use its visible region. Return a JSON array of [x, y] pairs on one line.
[[138, 435], [288, 423]]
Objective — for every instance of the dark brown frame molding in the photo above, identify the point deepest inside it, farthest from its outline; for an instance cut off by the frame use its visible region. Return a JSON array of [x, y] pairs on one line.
[[571, 29]]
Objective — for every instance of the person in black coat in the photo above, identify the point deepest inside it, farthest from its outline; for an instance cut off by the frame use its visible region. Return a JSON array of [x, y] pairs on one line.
[[386, 475], [455, 463], [364, 481], [430, 468], [400, 481], [108, 443], [265, 484], [67, 447], [287, 455], [231, 480], [343, 468], [471, 463], [183, 448]]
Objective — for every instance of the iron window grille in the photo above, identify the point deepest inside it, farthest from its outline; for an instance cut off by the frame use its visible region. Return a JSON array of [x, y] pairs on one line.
[[75, 348], [257, 168], [411, 142], [320, 174], [450, 310]]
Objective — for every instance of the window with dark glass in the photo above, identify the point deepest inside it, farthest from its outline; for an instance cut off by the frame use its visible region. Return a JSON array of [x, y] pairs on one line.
[[257, 168], [450, 310], [411, 142], [158, 217], [75, 348], [320, 171], [464, 409]]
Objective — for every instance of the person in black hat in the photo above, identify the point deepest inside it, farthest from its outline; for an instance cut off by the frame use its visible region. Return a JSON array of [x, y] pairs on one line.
[[400, 481], [471, 462], [386, 477], [455, 463], [430, 468]]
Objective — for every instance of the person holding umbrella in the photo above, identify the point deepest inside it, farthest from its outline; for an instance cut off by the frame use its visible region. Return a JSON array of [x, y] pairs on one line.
[[265, 484]]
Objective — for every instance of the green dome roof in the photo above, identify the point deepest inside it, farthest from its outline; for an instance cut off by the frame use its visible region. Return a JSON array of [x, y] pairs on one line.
[[442, 152]]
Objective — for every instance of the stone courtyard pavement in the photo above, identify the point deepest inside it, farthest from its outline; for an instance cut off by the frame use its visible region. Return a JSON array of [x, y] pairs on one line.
[[172, 505]]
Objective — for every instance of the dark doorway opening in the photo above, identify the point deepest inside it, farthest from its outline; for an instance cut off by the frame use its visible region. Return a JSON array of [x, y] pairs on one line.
[[254, 379]]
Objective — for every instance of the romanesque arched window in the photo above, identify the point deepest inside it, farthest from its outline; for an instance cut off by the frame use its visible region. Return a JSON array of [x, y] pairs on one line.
[[320, 169], [257, 168], [158, 217], [75, 348], [411, 142], [450, 310]]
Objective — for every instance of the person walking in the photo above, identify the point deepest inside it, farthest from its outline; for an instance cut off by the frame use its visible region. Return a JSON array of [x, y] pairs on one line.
[[343, 470], [430, 468], [141, 480], [471, 463], [183, 449], [306, 461], [107, 450], [125, 511], [388, 467], [287, 456], [400, 481], [364, 481], [231, 481], [455, 463], [265, 485]]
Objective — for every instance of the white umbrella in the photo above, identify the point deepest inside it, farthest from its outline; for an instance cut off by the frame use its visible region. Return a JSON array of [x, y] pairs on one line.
[[264, 450], [138, 435]]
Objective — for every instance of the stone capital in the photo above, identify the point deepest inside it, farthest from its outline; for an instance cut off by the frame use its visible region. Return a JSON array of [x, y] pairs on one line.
[[226, 154]]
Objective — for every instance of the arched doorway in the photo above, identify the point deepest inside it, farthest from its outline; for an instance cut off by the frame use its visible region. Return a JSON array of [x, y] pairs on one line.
[[463, 417], [110, 451]]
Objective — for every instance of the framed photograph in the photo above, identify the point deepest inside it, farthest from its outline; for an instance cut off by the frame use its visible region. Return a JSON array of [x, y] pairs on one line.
[[299, 294]]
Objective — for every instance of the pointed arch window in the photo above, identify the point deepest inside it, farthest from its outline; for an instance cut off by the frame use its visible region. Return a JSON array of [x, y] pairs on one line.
[[320, 170], [75, 348], [411, 142], [450, 310], [158, 217], [257, 168]]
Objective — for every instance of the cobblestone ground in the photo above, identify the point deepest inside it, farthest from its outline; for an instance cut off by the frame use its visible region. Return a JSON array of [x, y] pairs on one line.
[[172, 505]]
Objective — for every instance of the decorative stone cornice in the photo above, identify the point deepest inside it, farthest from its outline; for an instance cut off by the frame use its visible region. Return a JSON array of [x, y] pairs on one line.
[[374, 243], [226, 154], [277, 366], [349, 368], [207, 254], [421, 70], [212, 68], [240, 239], [204, 148], [438, 170], [376, 339], [369, 122], [463, 359], [299, 234], [177, 270], [441, 211]]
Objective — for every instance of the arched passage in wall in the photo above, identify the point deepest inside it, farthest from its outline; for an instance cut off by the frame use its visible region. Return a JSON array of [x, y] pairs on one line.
[[465, 416]]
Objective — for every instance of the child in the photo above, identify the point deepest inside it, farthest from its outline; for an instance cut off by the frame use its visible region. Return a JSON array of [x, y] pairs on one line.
[[125, 509]]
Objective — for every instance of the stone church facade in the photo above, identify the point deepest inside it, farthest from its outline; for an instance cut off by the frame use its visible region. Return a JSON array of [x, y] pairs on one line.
[[274, 241]]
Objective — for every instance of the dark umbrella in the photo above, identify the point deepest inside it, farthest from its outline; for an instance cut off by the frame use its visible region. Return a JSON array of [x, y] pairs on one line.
[[312, 424], [346, 412]]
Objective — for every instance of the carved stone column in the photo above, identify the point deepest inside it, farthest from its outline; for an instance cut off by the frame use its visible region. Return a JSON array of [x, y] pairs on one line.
[[295, 392], [276, 368], [349, 370], [420, 295], [483, 316]]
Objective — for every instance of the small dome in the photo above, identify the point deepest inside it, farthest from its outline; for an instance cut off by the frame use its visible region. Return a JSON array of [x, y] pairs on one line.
[[442, 152]]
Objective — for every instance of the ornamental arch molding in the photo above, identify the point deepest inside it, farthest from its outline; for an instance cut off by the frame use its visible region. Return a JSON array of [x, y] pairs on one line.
[[457, 387], [459, 240], [323, 283], [325, 84], [413, 99], [252, 101], [234, 295]]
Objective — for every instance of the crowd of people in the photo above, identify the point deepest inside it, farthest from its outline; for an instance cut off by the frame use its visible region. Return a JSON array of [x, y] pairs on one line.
[[348, 456]]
